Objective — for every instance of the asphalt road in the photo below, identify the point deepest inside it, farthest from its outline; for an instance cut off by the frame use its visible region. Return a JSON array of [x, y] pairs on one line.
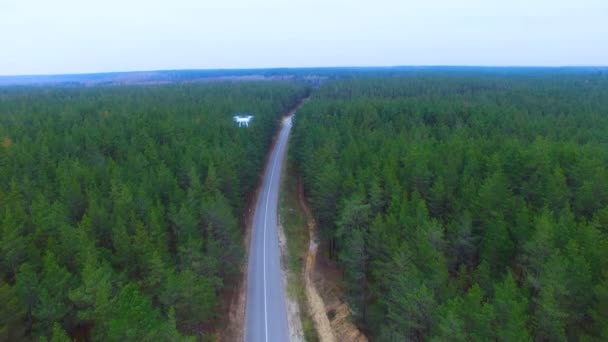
[[266, 314]]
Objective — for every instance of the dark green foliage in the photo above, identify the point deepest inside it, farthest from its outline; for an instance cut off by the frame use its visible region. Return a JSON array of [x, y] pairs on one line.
[[464, 206], [59, 334], [600, 307], [510, 310], [12, 313], [131, 317], [120, 207]]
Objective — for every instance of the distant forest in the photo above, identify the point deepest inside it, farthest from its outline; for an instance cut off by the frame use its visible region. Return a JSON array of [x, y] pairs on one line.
[[120, 207], [464, 205]]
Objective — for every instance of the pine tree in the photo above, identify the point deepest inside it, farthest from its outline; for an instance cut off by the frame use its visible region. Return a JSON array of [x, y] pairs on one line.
[[578, 282], [192, 297], [410, 304], [599, 312], [497, 248], [478, 314], [132, 317], [92, 297], [13, 244], [557, 192], [510, 308], [59, 334], [550, 315], [27, 285], [55, 283], [354, 260], [450, 325], [12, 314]]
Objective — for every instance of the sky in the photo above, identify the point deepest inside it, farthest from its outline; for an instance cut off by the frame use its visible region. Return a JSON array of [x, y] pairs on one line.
[[76, 36]]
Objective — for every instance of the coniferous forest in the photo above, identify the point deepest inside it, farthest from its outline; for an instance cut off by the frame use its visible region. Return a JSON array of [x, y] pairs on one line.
[[463, 205], [460, 204], [121, 206]]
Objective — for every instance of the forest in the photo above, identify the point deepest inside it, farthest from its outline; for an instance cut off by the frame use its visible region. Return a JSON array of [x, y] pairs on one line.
[[464, 205], [121, 207]]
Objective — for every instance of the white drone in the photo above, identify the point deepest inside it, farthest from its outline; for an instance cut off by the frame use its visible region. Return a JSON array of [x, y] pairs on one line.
[[243, 120]]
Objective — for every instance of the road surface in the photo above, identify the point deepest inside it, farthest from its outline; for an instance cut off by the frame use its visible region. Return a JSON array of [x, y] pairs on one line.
[[266, 314]]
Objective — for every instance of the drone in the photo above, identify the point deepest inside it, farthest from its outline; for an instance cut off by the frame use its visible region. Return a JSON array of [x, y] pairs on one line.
[[243, 120]]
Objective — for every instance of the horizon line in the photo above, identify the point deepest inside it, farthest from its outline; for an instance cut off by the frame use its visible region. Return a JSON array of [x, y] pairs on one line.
[[490, 66]]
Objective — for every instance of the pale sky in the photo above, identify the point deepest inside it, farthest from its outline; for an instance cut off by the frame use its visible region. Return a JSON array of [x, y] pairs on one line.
[[78, 36]]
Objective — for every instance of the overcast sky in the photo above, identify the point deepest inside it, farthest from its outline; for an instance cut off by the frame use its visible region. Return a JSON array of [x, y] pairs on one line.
[[75, 36]]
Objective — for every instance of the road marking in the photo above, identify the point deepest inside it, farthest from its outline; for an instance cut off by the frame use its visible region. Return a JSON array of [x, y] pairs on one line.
[[264, 237]]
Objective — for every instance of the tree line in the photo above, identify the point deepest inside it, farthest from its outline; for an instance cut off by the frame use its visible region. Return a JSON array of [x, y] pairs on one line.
[[120, 206], [464, 205]]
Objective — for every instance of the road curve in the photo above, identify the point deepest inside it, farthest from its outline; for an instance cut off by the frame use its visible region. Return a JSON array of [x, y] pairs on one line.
[[266, 313]]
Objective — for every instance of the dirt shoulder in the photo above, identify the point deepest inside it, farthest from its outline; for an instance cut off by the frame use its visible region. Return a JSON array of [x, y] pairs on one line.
[[294, 249], [294, 319], [330, 312]]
